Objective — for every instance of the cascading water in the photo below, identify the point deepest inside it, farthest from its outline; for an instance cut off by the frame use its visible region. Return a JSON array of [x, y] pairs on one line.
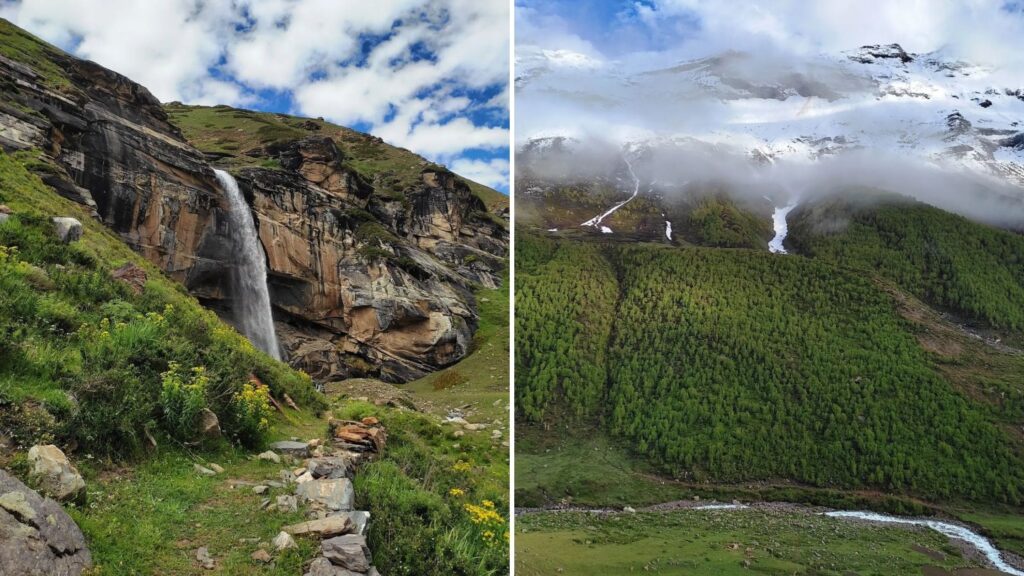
[[249, 286], [781, 228]]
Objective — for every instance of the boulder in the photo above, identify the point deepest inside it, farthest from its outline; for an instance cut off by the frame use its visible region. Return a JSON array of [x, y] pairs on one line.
[[348, 551], [336, 494], [262, 556], [36, 536], [209, 425], [287, 503], [283, 541], [323, 567], [68, 229], [291, 448], [270, 456], [203, 471], [329, 467], [55, 474], [205, 560], [333, 525]]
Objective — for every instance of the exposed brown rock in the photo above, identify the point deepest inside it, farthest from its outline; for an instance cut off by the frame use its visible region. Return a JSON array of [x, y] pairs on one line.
[[132, 275]]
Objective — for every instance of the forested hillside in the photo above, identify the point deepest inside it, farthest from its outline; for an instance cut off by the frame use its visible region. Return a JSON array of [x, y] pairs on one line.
[[948, 260], [737, 365]]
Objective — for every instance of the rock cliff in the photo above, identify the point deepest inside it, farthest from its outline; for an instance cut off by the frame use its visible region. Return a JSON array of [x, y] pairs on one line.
[[373, 252]]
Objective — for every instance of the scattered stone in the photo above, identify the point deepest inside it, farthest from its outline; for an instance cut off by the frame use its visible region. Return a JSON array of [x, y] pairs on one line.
[[495, 434], [328, 467], [334, 494], [261, 489], [299, 471], [274, 484], [286, 503], [283, 541], [209, 425], [315, 442], [323, 567], [360, 519], [629, 510], [306, 477], [291, 448], [457, 420], [204, 558], [68, 229], [56, 476], [203, 470], [370, 421], [36, 535], [262, 555], [265, 503], [335, 525], [216, 468], [474, 427], [270, 457], [136, 278], [348, 551], [458, 434]]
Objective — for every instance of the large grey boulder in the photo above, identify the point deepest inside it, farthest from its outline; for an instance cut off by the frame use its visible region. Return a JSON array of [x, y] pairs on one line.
[[55, 474], [331, 467], [334, 494], [68, 229], [348, 551], [36, 536], [291, 448]]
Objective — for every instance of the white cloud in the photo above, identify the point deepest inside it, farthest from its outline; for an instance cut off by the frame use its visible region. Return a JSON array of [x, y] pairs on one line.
[[974, 29], [493, 173], [410, 88]]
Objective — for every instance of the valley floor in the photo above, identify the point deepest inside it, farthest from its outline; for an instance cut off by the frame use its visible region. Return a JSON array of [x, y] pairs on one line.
[[724, 542]]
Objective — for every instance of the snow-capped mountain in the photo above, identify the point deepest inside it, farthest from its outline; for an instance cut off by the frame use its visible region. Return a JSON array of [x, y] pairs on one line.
[[880, 98]]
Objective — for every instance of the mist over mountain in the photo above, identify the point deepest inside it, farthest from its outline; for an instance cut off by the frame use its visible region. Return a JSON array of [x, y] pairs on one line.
[[930, 125]]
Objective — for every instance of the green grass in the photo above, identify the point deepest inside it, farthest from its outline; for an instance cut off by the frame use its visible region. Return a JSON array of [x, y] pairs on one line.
[[231, 133], [81, 351], [583, 467], [484, 372], [151, 517], [1006, 528], [20, 46], [419, 491], [723, 543]]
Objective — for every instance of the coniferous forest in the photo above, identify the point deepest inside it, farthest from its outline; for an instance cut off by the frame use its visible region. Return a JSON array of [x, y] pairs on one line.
[[738, 365]]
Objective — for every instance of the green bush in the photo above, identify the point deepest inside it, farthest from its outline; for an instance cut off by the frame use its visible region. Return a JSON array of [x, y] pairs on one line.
[[182, 400], [249, 416]]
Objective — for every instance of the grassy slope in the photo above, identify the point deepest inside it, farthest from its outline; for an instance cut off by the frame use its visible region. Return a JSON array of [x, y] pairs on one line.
[[480, 379], [231, 132], [723, 543]]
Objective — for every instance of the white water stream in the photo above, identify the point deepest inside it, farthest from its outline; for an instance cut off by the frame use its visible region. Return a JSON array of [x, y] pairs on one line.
[[976, 540], [781, 228], [251, 299], [596, 220]]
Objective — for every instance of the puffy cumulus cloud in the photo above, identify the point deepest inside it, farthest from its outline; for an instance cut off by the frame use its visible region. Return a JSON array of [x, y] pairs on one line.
[[166, 46], [430, 75], [493, 172]]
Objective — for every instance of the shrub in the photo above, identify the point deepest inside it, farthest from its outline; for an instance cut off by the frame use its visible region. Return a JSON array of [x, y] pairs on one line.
[[249, 417], [182, 399]]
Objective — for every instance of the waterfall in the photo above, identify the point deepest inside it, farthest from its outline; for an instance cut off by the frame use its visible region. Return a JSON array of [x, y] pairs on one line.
[[251, 299]]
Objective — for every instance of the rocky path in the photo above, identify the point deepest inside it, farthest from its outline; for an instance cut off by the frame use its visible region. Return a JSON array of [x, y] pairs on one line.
[[322, 483]]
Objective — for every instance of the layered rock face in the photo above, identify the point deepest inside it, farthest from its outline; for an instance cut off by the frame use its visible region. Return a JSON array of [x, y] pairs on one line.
[[369, 275], [116, 153]]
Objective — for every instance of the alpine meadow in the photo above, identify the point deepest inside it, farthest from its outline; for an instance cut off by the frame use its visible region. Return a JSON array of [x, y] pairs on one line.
[[769, 289]]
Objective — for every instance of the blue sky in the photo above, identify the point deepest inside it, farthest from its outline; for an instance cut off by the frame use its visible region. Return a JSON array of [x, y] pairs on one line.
[[428, 75]]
